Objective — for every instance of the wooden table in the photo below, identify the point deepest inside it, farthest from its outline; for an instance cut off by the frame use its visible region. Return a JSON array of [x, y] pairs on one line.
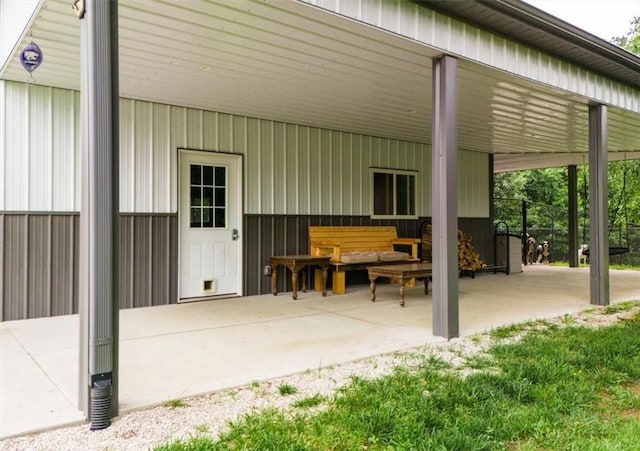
[[296, 263], [400, 274]]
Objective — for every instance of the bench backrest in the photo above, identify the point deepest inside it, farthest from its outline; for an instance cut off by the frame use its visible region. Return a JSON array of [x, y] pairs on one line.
[[354, 238]]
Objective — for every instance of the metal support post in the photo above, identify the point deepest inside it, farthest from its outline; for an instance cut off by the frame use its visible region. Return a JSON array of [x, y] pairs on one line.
[[598, 206], [445, 198], [98, 388]]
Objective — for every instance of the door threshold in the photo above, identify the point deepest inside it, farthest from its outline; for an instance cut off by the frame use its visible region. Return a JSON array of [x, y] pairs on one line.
[[208, 298]]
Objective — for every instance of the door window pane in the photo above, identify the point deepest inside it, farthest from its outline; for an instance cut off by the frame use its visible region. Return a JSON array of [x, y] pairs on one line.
[[196, 220], [207, 176], [208, 189], [221, 217], [221, 198], [207, 196], [196, 174], [221, 176], [196, 197], [207, 217]]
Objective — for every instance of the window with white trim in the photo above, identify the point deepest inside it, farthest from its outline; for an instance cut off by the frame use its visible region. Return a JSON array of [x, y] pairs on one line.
[[393, 194]]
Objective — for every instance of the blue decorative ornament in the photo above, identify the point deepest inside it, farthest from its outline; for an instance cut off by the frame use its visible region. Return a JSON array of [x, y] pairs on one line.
[[31, 57]]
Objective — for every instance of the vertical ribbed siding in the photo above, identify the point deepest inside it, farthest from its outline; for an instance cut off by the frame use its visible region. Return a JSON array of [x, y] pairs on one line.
[[16, 169], [63, 299], [3, 148], [40, 263], [39, 148], [161, 265], [38, 266], [149, 264], [40, 118], [2, 268], [14, 302], [148, 260], [474, 188], [289, 169], [64, 162], [143, 258]]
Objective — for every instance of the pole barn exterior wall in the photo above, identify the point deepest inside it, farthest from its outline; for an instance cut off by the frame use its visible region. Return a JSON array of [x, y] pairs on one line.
[[295, 176], [298, 169]]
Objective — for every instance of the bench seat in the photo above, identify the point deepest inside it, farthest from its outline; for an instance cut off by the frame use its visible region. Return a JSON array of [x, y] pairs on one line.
[[358, 247]]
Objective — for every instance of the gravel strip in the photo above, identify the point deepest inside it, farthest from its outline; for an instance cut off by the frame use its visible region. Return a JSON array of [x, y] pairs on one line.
[[209, 415]]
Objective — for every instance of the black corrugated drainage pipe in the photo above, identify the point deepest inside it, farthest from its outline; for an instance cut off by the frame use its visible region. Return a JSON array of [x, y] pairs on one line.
[[100, 409]]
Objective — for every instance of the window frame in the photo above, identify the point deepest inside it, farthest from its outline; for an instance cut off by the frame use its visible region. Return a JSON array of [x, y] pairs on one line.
[[394, 173]]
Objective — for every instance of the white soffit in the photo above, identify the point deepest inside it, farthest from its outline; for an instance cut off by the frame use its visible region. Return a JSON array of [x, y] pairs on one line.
[[292, 62], [513, 162]]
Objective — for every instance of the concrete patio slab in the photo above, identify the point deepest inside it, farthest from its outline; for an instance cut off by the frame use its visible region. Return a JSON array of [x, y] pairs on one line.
[[182, 350]]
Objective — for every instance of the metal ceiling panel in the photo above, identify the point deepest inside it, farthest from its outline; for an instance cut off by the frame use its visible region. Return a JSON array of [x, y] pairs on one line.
[[297, 63]]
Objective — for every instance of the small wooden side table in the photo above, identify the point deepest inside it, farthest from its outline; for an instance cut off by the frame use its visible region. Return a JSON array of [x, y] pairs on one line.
[[296, 263], [400, 274]]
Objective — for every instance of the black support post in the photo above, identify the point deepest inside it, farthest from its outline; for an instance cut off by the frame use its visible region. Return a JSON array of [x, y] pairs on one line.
[[572, 180], [525, 233]]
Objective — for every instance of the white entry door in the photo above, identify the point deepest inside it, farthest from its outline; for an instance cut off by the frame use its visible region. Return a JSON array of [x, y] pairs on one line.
[[210, 224]]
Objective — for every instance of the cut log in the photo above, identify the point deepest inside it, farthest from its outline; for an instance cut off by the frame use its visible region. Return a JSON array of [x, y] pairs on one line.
[[468, 258]]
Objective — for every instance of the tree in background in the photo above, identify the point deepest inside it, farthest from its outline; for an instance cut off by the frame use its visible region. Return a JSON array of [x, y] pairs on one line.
[[631, 40], [545, 190], [624, 177]]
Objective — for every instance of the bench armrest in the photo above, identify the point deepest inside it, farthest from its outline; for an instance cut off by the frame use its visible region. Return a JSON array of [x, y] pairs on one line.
[[326, 249], [413, 242]]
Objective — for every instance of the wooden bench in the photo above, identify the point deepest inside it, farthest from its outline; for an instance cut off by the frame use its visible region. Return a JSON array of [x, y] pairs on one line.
[[358, 247]]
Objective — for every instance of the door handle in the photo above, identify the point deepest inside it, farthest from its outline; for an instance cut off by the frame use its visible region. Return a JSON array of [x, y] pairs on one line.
[[234, 234]]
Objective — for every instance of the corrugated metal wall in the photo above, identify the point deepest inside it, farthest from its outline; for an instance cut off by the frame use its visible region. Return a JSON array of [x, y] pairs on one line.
[[459, 38], [295, 176], [40, 265], [40, 149], [40, 256], [289, 169]]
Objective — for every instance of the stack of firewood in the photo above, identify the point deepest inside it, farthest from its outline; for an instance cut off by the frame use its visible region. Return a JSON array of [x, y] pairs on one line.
[[468, 258]]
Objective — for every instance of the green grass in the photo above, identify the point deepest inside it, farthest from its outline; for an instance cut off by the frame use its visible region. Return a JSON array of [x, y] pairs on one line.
[[311, 401], [175, 403], [287, 389], [557, 388]]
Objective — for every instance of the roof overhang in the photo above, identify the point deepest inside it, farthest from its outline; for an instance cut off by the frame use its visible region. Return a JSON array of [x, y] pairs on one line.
[[537, 29], [297, 63]]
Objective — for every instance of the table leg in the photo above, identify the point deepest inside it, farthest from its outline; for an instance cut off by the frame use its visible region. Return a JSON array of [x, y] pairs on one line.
[[304, 280], [294, 283], [402, 293], [372, 287], [426, 285], [325, 274], [274, 280]]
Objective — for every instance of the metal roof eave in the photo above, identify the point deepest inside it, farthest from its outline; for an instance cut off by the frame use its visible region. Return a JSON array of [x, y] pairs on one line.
[[526, 23]]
